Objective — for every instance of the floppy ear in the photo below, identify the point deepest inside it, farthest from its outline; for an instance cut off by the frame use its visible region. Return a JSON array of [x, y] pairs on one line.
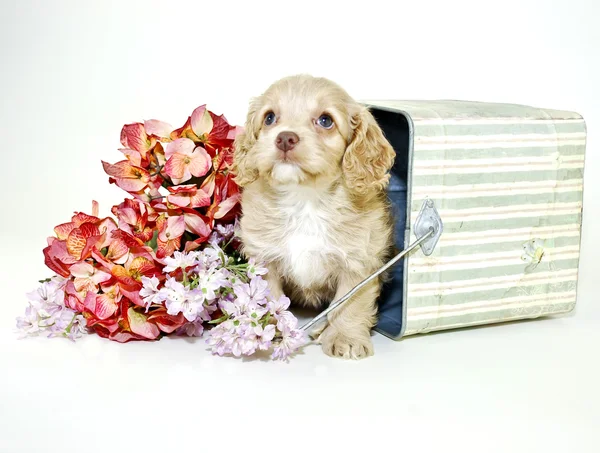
[[245, 172], [368, 157]]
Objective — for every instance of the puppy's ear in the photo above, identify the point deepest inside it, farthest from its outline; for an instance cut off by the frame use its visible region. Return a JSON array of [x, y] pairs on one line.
[[368, 157], [244, 170]]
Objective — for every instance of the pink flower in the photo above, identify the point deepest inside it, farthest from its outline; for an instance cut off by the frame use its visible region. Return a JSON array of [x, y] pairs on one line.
[[88, 277], [128, 177], [185, 159], [159, 129], [188, 195], [170, 230]]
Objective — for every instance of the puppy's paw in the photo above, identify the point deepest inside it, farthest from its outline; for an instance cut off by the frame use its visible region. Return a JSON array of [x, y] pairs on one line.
[[347, 345]]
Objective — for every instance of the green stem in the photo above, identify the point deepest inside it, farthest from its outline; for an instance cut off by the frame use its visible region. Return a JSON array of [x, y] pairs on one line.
[[219, 320], [68, 329]]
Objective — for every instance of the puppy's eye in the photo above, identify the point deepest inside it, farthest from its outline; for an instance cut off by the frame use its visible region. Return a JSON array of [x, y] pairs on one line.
[[325, 121], [269, 118]]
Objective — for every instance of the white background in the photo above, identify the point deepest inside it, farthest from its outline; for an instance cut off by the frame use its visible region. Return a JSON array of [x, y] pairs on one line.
[[73, 72]]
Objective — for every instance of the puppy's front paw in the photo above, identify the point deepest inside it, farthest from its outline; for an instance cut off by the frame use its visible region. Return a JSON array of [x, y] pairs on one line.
[[347, 345]]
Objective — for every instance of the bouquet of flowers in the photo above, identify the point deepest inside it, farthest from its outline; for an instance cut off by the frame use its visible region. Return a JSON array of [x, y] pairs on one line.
[[169, 261]]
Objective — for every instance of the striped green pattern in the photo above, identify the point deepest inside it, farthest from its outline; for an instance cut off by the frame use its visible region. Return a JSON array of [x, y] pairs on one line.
[[508, 183]]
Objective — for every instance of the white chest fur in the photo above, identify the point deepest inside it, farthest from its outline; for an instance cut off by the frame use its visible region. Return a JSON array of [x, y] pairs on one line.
[[307, 248]]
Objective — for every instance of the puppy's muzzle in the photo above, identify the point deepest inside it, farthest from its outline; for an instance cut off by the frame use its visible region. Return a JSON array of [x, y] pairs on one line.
[[286, 141]]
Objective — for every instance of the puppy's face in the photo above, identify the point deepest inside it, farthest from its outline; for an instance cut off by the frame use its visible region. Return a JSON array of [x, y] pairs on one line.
[[304, 127], [302, 130]]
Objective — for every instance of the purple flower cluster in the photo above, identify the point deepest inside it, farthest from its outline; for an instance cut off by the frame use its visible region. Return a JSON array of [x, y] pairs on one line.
[[47, 313], [201, 283], [255, 321]]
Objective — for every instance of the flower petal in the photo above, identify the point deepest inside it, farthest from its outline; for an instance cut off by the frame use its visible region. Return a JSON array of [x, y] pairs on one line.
[[226, 206], [200, 199], [62, 231], [139, 325], [165, 322], [81, 218], [201, 121], [177, 167], [117, 250], [54, 258], [133, 156], [200, 162], [142, 266], [102, 306], [234, 132], [82, 270], [208, 185], [123, 276], [179, 200], [134, 136], [173, 228], [133, 296], [194, 223], [183, 146], [158, 128], [129, 240]]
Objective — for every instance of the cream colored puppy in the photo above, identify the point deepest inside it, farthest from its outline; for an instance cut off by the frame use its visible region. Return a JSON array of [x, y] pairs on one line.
[[313, 166]]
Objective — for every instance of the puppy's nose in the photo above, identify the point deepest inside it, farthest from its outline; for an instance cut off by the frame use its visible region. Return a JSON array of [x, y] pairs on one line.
[[286, 141]]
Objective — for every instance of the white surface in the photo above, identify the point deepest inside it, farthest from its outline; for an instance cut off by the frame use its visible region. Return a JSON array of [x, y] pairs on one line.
[[73, 72]]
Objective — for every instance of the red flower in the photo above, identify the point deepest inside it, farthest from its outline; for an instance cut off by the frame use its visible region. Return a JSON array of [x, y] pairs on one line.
[[136, 218], [104, 262]]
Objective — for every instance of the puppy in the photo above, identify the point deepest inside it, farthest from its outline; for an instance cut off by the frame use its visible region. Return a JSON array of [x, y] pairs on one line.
[[313, 167]]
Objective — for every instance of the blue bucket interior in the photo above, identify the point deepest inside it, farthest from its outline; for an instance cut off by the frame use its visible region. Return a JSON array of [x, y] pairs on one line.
[[396, 129]]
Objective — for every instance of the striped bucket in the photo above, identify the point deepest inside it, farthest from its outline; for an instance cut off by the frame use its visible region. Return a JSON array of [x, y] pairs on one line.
[[507, 181]]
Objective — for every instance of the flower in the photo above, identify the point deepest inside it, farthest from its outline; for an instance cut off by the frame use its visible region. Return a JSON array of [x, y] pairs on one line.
[[185, 159], [136, 218], [179, 299], [46, 312], [192, 329], [220, 338], [265, 336], [209, 281], [254, 269], [135, 138], [291, 341], [150, 292], [29, 323], [170, 230], [252, 293], [159, 129], [169, 260], [278, 309], [188, 195], [88, 277], [128, 177], [180, 260]]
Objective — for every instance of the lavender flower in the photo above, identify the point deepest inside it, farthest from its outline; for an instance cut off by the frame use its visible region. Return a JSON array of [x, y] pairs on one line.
[[181, 260], [47, 313], [292, 339], [179, 299], [252, 293], [150, 292], [254, 269], [192, 329]]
